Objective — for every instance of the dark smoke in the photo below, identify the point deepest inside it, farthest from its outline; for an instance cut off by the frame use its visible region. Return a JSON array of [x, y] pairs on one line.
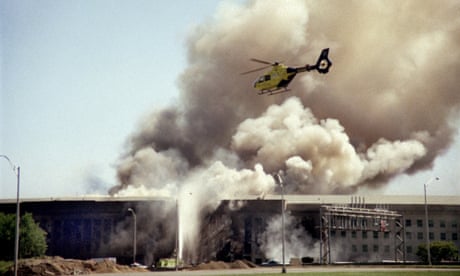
[[384, 108]]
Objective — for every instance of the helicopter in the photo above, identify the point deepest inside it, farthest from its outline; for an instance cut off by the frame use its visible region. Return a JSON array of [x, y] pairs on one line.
[[278, 78]]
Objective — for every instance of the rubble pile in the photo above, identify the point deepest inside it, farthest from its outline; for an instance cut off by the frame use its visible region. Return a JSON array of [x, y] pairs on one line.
[[238, 264], [49, 266]]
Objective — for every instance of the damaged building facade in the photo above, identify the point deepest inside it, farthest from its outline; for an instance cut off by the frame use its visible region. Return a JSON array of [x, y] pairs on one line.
[[247, 228]]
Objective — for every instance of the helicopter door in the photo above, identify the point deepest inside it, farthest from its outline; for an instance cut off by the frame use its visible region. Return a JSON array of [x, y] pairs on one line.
[[263, 78]]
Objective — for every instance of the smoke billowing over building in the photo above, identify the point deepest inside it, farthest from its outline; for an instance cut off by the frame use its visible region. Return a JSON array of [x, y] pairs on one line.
[[385, 108]]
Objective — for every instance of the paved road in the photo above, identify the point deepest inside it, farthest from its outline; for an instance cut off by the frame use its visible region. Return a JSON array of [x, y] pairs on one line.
[[267, 270]]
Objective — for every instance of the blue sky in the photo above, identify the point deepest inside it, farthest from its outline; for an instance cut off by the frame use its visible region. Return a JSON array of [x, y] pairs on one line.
[[77, 77]]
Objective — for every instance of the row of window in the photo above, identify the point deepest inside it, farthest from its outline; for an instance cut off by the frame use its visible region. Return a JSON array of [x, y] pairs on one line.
[[364, 234], [442, 236], [375, 248], [409, 235], [442, 223], [365, 248]]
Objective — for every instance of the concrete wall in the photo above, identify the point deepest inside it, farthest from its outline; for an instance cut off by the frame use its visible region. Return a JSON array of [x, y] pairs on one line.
[[85, 229], [103, 228]]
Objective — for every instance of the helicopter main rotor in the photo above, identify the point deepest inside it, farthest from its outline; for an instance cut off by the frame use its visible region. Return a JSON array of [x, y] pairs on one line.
[[269, 64]]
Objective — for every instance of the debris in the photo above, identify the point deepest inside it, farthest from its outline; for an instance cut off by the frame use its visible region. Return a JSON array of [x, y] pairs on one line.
[[49, 266]]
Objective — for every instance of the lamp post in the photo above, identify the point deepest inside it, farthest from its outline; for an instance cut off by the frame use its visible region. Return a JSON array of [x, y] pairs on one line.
[[17, 172], [426, 221], [279, 179], [177, 234], [134, 234]]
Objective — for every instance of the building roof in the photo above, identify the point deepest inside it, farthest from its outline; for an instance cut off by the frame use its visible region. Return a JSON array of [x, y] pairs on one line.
[[290, 199]]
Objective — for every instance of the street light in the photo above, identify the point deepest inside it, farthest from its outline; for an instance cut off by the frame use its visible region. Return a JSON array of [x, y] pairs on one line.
[[426, 220], [177, 234], [17, 172], [134, 235], [279, 179]]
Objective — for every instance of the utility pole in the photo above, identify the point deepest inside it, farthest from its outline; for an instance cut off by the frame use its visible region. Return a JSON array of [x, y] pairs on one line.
[[279, 179], [17, 172], [134, 235], [428, 250]]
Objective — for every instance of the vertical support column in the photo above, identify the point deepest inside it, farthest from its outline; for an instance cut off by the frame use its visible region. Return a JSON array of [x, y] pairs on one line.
[[325, 254], [400, 239]]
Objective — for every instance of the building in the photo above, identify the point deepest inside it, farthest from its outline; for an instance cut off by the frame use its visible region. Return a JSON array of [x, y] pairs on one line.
[[97, 227], [240, 234]]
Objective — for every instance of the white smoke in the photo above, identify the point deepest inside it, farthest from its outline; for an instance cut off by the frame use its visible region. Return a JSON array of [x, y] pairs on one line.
[[384, 109], [318, 153], [298, 243], [207, 187]]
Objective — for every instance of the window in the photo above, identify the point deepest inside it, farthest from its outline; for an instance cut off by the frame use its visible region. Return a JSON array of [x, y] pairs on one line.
[[376, 235], [419, 223], [442, 224], [454, 224], [343, 234], [364, 235], [419, 235], [353, 234], [408, 236], [454, 236], [443, 236], [431, 236], [409, 249], [354, 248], [376, 248], [365, 248], [430, 223], [386, 235], [408, 223]]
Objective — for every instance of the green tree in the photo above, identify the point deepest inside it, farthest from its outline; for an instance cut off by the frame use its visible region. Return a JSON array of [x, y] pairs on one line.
[[32, 239], [439, 251]]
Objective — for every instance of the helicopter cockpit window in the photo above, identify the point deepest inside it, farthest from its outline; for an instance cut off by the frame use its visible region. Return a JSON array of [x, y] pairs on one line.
[[263, 78]]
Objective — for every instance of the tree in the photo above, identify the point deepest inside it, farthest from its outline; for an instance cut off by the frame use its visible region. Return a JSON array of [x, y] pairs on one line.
[[32, 239], [439, 251]]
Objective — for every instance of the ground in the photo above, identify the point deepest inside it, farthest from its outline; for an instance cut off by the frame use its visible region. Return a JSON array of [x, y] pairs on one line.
[[49, 266]]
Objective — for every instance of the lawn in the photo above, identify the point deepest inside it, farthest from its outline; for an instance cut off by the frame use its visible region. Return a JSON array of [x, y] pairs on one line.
[[4, 266], [368, 273]]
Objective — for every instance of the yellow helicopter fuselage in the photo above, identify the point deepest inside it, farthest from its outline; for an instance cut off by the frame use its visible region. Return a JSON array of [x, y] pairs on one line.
[[278, 77]]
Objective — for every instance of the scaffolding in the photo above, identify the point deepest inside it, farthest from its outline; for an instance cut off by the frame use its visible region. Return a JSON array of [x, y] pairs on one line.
[[356, 217]]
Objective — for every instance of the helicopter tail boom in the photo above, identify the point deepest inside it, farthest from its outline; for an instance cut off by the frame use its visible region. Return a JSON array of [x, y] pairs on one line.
[[322, 64]]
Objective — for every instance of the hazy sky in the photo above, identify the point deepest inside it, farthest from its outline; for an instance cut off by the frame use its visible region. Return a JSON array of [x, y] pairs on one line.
[[78, 76]]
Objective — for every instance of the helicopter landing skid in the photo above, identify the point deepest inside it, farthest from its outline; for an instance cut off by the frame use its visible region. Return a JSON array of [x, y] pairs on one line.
[[274, 91]]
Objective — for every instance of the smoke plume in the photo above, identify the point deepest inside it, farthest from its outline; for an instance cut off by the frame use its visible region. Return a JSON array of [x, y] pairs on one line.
[[298, 243], [384, 108]]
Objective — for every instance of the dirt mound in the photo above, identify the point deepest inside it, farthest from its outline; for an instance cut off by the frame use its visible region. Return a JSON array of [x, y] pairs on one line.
[[212, 265], [238, 264], [49, 266]]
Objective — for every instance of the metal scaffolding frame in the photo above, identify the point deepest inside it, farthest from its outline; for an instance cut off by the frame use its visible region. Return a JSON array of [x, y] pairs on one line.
[[358, 218]]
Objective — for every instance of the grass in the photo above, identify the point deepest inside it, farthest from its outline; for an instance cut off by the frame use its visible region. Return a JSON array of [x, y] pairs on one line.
[[367, 273], [4, 266]]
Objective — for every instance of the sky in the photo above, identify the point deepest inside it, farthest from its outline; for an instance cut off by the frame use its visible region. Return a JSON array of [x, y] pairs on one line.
[[77, 77]]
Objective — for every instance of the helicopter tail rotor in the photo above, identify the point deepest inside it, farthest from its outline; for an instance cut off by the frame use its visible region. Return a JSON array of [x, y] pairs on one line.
[[323, 64]]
